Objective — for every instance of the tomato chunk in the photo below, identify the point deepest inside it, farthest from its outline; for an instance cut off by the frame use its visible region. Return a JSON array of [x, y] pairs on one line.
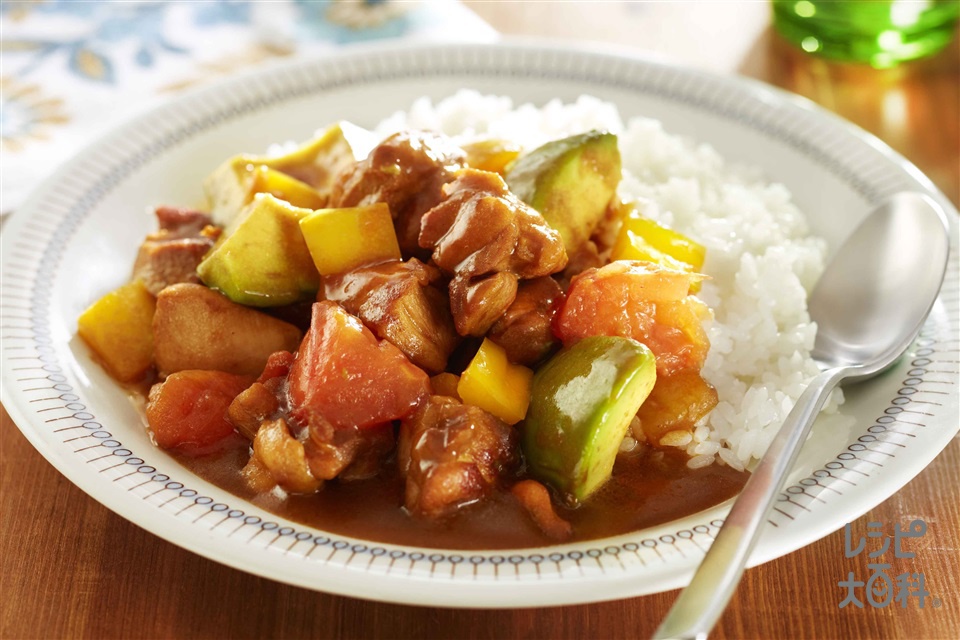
[[188, 410], [346, 376], [639, 300], [676, 403]]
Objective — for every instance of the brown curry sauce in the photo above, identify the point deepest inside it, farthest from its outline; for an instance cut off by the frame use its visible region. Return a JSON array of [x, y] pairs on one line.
[[647, 489]]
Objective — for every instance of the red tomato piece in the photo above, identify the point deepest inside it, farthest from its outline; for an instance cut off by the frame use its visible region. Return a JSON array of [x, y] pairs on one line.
[[349, 378], [188, 410], [278, 365], [678, 339], [639, 300]]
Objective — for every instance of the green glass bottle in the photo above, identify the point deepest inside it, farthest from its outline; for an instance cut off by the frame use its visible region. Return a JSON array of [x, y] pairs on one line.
[[879, 33]]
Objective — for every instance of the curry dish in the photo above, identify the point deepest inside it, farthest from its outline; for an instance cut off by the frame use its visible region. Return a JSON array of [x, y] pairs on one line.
[[417, 341]]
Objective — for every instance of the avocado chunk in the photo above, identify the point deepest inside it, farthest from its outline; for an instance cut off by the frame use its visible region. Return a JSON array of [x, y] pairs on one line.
[[581, 405], [312, 166], [570, 182], [265, 262]]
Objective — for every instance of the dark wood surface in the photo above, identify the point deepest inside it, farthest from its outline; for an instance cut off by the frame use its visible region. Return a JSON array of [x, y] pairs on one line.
[[71, 568]]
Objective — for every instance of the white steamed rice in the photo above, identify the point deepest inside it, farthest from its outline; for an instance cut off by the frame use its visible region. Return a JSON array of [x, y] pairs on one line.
[[760, 256]]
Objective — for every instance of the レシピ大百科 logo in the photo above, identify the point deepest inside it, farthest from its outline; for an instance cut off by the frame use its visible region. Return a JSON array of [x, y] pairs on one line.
[[880, 589]]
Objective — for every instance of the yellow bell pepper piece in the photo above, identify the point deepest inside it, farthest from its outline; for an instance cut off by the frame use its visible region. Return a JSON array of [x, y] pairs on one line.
[[656, 240], [494, 384], [118, 328], [491, 154], [284, 187], [312, 166], [343, 239]]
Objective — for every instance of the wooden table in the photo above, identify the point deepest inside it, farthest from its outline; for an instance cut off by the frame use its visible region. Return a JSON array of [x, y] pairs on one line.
[[71, 568]]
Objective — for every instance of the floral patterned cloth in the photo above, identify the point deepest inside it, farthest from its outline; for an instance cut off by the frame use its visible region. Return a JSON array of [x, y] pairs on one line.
[[73, 69]]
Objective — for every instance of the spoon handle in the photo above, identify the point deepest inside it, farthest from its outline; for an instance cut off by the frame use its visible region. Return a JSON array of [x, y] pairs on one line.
[[702, 603]]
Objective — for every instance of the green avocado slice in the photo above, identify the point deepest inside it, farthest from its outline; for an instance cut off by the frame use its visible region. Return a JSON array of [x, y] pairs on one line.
[[265, 262], [581, 404], [570, 182]]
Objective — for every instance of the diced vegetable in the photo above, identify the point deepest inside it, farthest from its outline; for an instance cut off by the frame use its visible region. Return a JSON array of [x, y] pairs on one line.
[[313, 165], [570, 182], [317, 162], [343, 374], [582, 402], [678, 337], [189, 409], [641, 238], [491, 154], [676, 403], [264, 262], [286, 188], [494, 384], [196, 328], [342, 239], [117, 327], [639, 300]]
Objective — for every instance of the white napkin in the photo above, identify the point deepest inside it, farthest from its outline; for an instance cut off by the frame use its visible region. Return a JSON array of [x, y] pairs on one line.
[[72, 70]]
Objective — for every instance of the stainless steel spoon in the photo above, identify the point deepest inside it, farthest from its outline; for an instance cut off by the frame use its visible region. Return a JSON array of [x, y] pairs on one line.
[[869, 305]]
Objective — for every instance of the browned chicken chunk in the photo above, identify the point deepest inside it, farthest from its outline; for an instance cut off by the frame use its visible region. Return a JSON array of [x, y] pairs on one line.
[[264, 399], [488, 239], [171, 254], [347, 453], [181, 222], [406, 171], [300, 454], [301, 459], [452, 455], [400, 302], [525, 331]]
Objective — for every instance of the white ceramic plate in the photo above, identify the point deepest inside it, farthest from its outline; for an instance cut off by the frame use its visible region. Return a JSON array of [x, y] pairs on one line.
[[77, 236]]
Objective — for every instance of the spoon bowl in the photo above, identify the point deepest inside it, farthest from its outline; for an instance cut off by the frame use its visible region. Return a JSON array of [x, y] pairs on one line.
[[876, 293], [869, 305]]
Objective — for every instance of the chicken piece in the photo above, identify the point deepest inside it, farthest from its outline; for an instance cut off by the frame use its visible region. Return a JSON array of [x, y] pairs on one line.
[[281, 455], [171, 254], [264, 399], [452, 455], [400, 303], [476, 303], [301, 458], [406, 171], [251, 408], [181, 222], [161, 263], [535, 499], [197, 328], [525, 331], [347, 453], [487, 239]]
